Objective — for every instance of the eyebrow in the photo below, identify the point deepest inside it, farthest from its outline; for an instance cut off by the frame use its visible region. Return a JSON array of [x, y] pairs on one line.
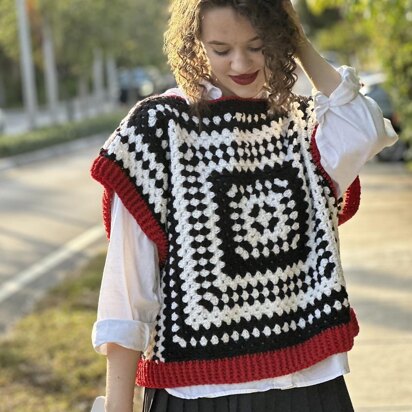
[[219, 43]]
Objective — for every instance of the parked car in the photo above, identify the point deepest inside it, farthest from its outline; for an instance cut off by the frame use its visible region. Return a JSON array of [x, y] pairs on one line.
[[135, 84], [374, 87], [141, 83]]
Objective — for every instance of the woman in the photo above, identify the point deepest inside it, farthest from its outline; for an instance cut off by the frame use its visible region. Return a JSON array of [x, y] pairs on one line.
[[223, 280]]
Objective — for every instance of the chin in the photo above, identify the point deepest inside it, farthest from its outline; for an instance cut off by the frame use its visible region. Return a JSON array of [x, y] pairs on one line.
[[246, 94]]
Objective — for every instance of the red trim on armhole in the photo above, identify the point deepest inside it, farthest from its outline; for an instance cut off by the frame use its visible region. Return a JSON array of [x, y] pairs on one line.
[[351, 201], [114, 179], [351, 198]]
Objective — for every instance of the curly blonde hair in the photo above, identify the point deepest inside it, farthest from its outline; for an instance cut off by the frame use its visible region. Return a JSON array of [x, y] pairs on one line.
[[277, 30]]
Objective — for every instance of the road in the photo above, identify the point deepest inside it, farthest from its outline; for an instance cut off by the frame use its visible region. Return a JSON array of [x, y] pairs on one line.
[[377, 256], [50, 220]]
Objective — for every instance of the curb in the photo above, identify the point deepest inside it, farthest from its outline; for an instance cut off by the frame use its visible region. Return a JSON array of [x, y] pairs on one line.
[[55, 150]]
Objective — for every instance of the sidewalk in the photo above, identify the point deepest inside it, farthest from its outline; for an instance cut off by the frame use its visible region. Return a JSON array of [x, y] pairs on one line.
[[377, 257], [16, 121]]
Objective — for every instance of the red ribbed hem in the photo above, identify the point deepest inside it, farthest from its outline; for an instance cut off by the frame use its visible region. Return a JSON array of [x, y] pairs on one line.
[[351, 198], [248, 368], [113, 179]]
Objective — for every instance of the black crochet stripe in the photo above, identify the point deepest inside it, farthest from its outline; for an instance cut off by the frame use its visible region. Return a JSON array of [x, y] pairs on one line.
[[260, 344], [177, 110], [274, 260]]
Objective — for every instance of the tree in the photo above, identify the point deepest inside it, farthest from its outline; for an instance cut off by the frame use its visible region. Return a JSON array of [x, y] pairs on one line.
[[9, 54], [8, 34], [130, 31]]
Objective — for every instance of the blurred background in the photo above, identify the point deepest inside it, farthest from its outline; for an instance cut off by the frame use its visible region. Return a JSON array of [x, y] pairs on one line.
[[69, 71]]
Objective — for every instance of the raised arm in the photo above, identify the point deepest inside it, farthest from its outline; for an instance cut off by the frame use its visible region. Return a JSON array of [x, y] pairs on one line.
[[321, 74]]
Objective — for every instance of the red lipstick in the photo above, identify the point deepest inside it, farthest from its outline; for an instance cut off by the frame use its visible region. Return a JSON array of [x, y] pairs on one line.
[[245, 79]]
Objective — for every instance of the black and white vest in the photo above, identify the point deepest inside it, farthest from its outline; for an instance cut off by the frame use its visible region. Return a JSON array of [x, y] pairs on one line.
[[245, 222]]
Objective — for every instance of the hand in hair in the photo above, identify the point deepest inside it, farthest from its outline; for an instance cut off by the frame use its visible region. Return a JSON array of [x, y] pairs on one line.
[[321, 74]]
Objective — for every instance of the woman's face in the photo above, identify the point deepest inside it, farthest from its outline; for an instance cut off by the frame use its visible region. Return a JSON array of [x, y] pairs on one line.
[[234, 51]]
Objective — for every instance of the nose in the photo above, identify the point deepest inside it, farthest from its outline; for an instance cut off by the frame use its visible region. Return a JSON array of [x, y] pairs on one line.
[[241, 62]]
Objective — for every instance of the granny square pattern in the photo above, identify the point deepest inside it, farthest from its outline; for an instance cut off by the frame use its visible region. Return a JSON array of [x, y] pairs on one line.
[[245, 222]]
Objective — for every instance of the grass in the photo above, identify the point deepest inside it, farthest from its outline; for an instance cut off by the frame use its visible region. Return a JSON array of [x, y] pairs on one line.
[[47, 362], [11, 145]]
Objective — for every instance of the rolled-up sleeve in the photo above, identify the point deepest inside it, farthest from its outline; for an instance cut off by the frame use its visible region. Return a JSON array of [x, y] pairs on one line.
[[129, 295], [351, 130]]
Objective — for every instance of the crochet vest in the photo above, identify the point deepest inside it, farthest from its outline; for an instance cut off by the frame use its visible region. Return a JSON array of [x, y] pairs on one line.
[[245, 222]]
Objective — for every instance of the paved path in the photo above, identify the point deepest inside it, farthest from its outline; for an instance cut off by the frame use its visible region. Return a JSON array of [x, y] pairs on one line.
[[16, 120], [50, 219], [377, 256]]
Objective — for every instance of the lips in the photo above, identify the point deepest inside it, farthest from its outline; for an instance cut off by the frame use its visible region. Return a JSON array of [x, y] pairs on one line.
[[245, 79]]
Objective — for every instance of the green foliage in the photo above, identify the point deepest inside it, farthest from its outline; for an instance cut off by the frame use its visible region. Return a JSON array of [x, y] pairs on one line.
[[49, 136], [47, 363], [313, 22], [319, 6], [387, 24], [130, 30], [8, 29], [349, 39]]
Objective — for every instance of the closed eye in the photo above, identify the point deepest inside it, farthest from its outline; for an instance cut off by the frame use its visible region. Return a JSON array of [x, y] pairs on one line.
[[256, 49], [225, 52], [221, 53]]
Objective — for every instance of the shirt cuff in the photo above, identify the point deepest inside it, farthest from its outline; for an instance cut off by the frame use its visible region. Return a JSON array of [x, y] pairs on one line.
[[130, 334], [347, 90]]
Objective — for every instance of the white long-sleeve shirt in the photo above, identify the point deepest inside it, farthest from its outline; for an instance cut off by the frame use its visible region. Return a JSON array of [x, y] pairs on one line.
[[351, 131]]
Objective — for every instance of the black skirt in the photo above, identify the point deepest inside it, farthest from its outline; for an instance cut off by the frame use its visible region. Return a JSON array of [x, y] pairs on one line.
[[331, 396]]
